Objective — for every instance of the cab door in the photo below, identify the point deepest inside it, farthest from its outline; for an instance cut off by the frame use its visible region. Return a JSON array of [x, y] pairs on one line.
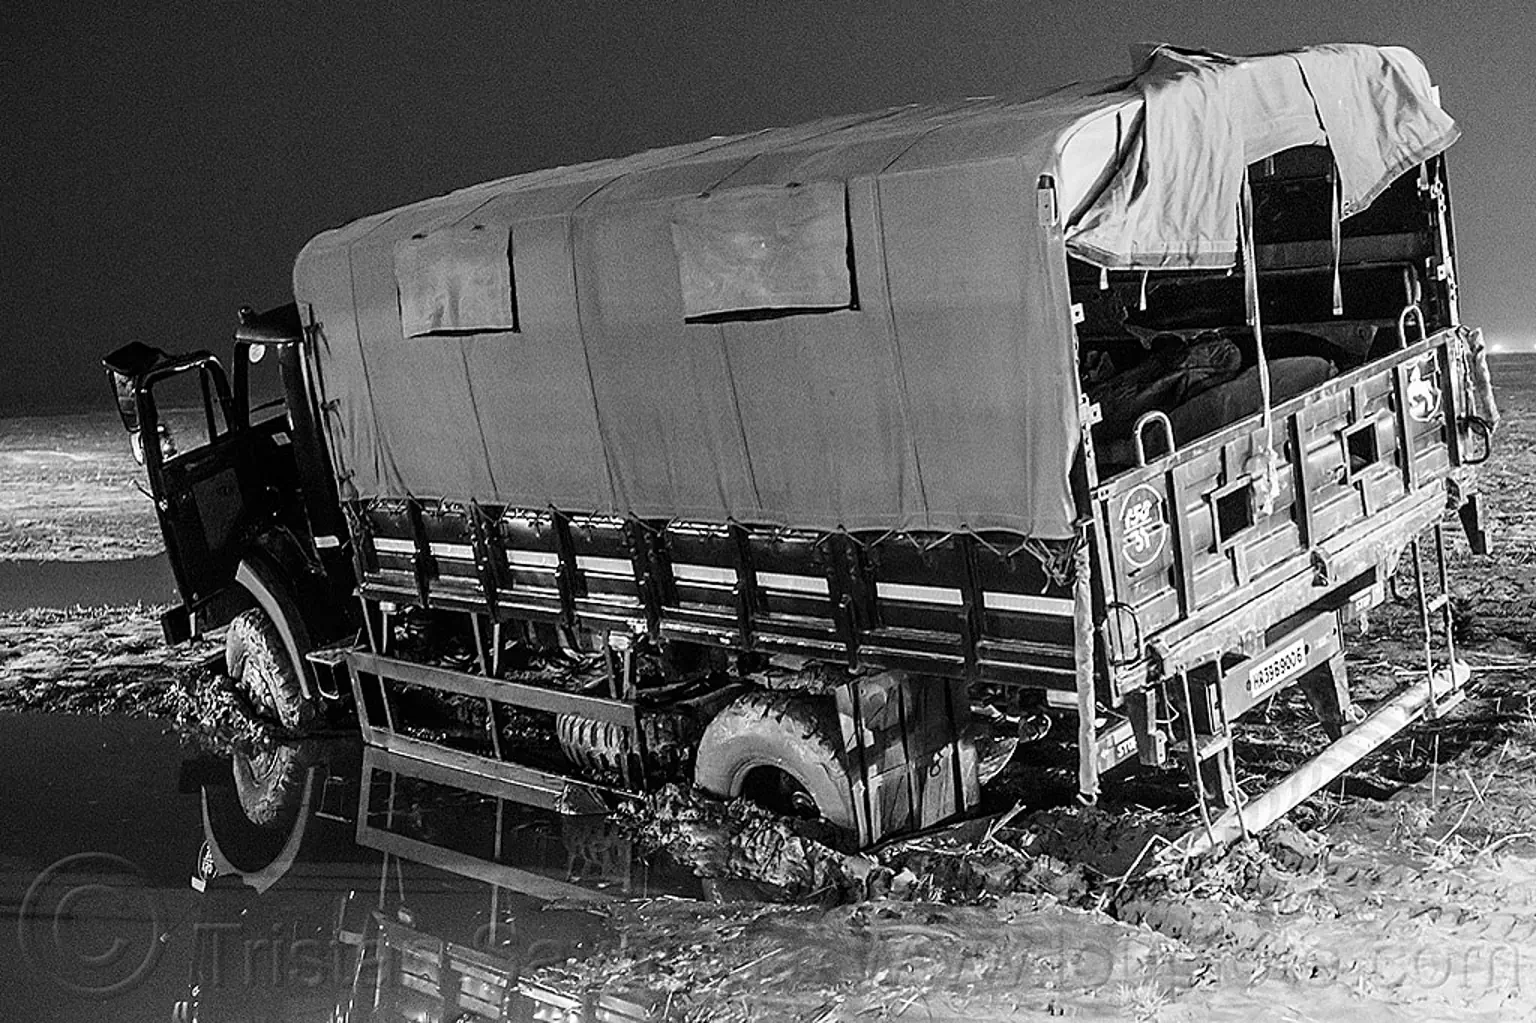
[[214, 478]]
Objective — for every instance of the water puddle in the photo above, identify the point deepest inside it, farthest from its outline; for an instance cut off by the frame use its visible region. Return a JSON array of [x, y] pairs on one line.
[[143, 886], [63, 584]]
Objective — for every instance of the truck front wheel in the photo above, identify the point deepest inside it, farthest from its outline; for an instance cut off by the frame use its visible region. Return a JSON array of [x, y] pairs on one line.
[[261, 668], [781, 750], [270, 782]]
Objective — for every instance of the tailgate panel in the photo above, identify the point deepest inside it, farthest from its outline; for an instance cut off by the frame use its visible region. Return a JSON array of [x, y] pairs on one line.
[[1189, 531]]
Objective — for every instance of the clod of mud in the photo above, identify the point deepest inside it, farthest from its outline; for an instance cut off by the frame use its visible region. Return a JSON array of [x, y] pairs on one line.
[[213, 716]]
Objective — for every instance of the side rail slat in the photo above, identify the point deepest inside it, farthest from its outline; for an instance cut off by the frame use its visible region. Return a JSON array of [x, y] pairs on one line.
[[980, 608]]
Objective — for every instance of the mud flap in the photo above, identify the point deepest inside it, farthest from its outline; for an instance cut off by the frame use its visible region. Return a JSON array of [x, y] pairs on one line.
[[910, 762], [1473, 524]]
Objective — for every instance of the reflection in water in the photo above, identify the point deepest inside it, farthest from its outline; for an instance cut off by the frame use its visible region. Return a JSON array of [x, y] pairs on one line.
[[391, 889]]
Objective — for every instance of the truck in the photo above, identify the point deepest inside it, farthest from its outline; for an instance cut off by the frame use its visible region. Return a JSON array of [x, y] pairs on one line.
[[822, 464]]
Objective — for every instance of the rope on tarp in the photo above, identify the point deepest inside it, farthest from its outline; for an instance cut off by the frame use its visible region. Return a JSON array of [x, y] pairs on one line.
[[1338, 240], [1263, 466]]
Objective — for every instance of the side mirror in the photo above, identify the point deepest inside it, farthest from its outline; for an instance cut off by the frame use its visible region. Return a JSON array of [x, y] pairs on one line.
[[125, 368]]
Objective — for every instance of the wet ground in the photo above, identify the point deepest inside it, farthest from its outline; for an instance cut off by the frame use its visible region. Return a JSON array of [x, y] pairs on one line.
[[1404, 892], [124, 825]]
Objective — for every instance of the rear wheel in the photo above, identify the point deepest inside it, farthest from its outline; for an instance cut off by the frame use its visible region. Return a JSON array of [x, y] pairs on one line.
[[261, 667], [783, 751]]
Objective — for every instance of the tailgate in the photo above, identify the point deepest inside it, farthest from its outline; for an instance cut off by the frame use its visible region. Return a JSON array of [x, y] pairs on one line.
[[1185, 541]]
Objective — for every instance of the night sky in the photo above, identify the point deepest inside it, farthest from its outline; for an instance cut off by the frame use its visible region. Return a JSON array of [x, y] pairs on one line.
[[162, 164]]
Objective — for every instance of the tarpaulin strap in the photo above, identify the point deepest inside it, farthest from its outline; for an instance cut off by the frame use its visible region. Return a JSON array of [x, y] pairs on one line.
[[1057, 558], [1266, 476], [1103, 278], [1087, 699], [1143, 303], [1338, 244]]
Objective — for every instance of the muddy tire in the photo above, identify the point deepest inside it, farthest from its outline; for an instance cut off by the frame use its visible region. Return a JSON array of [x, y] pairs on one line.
[[259, 665], [777, 743], [597, 748], [270, 784]]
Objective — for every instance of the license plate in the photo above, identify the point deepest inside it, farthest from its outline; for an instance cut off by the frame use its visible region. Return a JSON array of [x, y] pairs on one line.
[[1274, 670]]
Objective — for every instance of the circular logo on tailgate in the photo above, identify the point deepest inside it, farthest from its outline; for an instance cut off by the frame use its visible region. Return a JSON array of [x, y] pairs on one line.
[[1143, 530], [1424, 389]]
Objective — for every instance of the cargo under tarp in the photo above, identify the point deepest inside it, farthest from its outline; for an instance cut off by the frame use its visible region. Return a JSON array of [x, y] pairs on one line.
[[861, 323]]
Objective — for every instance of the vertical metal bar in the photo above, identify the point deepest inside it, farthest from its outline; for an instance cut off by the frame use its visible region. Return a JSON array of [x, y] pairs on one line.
[[1228, 754], [421, 560], [368, 627], [492, 727], [477, 630], [1404, 427], [567, 578], [653, 577], [745, 590], [1178, 538], [1194, 757], [1301, 477], [1450, 414], [389, 709], [496, 644], [482, 528], [972, 618], [1445, 590], [1083, 656], [1423, 601]]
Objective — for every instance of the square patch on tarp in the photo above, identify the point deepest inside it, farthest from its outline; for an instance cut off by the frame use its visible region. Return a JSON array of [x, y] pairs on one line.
[[456, 281], [757, 248]]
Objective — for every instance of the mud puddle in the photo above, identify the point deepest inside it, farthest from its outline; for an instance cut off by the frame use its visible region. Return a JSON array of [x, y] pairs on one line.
[[64, 584], [150, 881]]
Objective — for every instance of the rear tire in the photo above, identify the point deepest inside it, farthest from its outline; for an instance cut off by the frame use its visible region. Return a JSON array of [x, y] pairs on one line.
[[259, 665], [779, 748]]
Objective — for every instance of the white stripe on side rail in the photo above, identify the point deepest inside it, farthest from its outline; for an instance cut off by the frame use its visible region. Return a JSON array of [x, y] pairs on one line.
[[454, 551], [1026, 604], [533, 559], [704, 574], [605, 566], [915, 593], [785, 582]]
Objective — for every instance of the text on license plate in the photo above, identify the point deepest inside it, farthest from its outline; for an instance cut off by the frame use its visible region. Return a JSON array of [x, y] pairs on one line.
[[1274, 670]]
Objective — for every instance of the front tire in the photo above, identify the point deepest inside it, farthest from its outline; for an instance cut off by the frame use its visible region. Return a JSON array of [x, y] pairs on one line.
[[262, 669], [270, 783]]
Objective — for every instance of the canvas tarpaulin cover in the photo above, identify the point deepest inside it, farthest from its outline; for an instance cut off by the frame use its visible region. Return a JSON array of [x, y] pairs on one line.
[[1174, 202], [939, 392]]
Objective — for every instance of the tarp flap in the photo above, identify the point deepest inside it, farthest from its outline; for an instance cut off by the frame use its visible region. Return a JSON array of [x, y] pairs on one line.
[[763, 247], [456, 281], [1380, 102], [1173, 204]]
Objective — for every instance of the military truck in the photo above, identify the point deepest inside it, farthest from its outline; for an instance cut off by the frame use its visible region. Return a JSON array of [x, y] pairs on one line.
[[807, 459]]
